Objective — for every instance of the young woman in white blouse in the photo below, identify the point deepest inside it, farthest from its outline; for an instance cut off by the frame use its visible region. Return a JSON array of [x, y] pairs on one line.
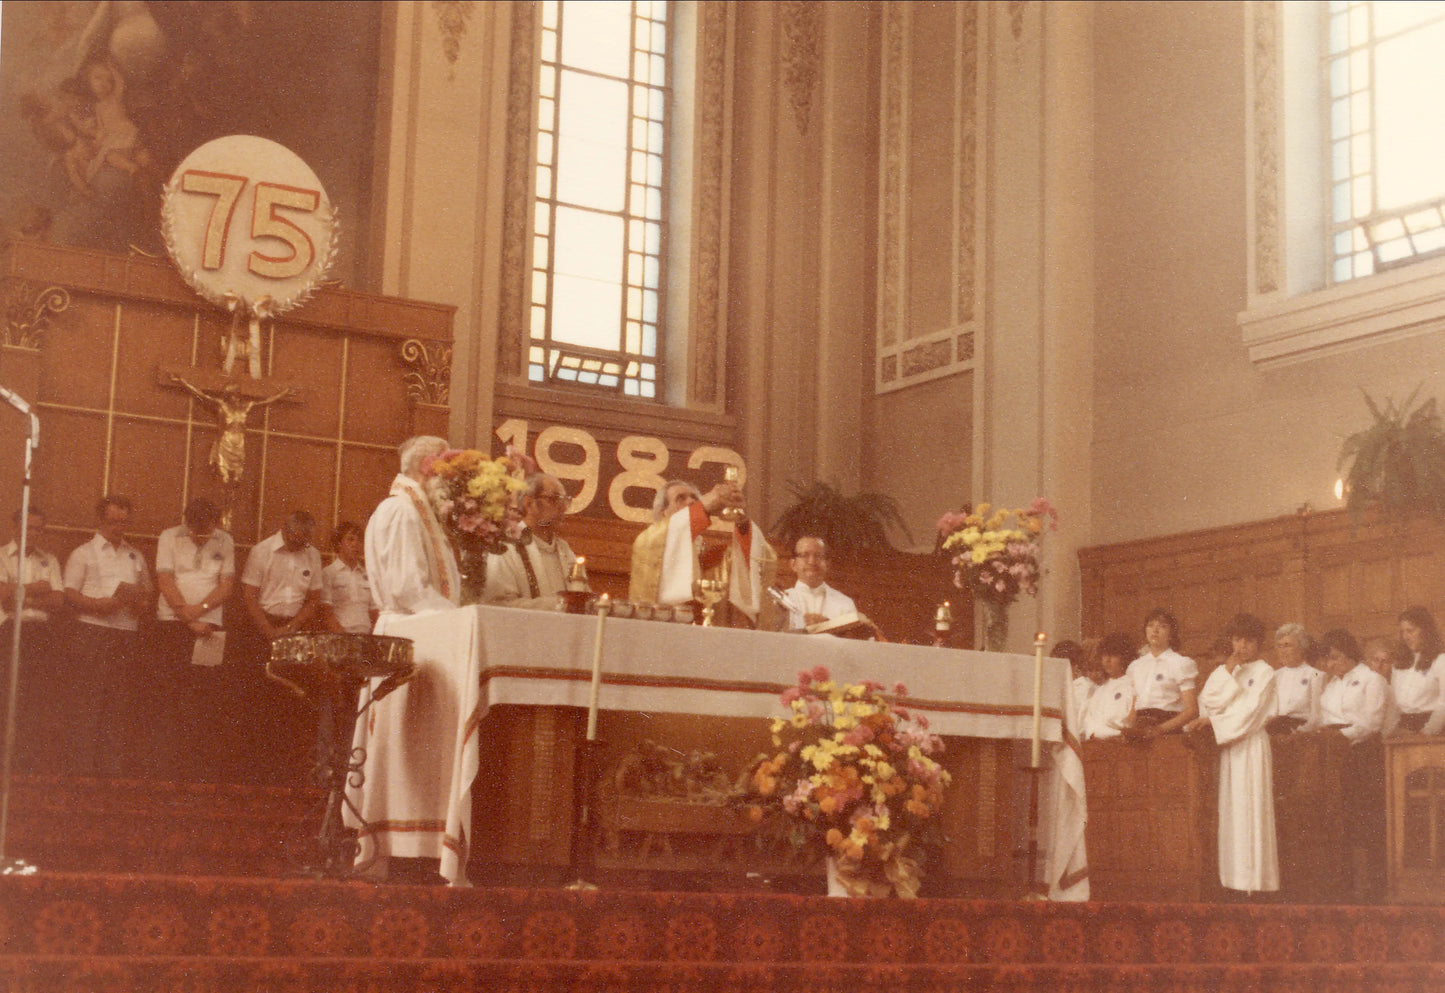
[[1419, 689], [1110, 707], [1165, 682]]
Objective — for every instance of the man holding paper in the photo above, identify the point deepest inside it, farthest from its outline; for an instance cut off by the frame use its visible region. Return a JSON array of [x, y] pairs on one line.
[[195, 573]]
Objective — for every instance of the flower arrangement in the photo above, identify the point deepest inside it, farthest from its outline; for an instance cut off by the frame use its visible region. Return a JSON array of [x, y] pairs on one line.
[[995, 551], [474, 498], [857, 772], [471, 493]]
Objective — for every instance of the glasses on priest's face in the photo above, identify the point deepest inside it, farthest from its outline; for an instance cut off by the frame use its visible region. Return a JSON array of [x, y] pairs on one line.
[[561, 500]]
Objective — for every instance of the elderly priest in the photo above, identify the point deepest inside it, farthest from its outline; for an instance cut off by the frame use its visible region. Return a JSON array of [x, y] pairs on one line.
[[668, 557]]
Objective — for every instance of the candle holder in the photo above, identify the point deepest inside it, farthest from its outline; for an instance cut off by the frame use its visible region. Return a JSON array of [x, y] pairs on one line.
[[942, 624]]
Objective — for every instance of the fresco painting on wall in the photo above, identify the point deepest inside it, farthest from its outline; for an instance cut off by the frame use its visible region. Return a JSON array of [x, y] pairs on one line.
[[100, 101]]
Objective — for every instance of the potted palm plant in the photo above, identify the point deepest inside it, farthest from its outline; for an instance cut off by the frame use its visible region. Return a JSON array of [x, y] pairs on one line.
[[1398, 462], [848, 524]]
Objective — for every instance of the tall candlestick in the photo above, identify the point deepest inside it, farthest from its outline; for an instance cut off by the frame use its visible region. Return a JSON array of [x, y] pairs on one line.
[[1039, 640], [604, 604]]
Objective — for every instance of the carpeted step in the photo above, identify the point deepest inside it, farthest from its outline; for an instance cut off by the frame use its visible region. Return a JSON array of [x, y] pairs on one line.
[[153, 827], [238, 975], [117, 917]]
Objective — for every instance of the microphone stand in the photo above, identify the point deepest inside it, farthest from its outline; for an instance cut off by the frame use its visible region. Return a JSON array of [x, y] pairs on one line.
[[9, 866]]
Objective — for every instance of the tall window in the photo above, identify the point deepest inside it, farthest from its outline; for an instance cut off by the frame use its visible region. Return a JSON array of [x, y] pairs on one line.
[[598, 230], [1386, 79]]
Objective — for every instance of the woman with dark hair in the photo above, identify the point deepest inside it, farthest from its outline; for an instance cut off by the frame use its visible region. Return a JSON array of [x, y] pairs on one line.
[[1236, 703], [1354, 700], [1164, 681], [345, 591], [1110, 708], [1419, 688], [1082, 686], [1355, 703]]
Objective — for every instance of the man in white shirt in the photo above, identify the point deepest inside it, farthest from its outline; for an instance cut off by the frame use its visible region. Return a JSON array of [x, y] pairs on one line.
[[281, 588], [41, 671], [195, 574], [812, 600], [109, 587], [531, 571]]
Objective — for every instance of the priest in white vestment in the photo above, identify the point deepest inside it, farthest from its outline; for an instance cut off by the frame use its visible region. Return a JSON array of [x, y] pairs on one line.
[[812, 600], [531, 571], [415, 799], [668, 556], [1237, 701]]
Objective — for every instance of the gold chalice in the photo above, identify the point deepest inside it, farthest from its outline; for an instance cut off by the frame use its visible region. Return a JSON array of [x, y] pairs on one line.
[[710, 593], [732, 474]]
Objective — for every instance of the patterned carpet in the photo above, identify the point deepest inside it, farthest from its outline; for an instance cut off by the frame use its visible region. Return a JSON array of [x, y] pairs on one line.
[[149, 887], [118, 932]]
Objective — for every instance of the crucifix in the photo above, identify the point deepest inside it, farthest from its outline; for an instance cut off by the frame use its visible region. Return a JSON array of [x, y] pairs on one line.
[[233, 399]]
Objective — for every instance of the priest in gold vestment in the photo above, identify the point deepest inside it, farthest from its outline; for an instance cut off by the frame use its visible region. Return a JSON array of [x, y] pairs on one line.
[[668, 557]]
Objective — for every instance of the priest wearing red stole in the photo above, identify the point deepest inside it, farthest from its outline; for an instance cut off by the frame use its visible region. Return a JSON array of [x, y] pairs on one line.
[[669, 556]]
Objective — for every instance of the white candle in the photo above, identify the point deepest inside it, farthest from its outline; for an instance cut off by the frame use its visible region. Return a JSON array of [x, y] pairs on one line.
[[1039, 640], [604, 604]]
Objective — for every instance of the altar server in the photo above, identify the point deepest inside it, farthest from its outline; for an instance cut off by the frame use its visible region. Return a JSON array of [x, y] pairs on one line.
[[1236, 703], [1297, 683], [1109, 707]]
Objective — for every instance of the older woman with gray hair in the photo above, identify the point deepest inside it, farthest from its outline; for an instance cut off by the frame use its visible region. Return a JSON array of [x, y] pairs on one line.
[[1297, 683]]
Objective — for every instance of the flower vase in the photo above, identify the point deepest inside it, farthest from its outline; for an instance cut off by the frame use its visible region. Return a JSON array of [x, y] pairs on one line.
[[995, 626], [835, 879]]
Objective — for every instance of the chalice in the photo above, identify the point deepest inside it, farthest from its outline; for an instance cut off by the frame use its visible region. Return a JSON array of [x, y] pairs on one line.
[[732, 474], [710, 592]]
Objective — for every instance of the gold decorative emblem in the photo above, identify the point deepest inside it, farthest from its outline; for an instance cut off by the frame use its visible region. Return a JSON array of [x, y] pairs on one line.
[[28, 313], [452, 17], [430, 379]]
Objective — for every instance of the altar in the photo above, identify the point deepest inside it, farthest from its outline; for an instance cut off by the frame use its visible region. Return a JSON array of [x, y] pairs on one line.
[[520, 682]]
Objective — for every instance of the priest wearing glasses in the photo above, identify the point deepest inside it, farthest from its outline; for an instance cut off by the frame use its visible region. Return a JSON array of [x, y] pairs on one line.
[[534, 569]]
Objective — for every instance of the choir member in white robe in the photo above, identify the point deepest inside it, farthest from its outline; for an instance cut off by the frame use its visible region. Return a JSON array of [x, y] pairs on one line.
[[1237, 700], [414, 801], [1419, 688]]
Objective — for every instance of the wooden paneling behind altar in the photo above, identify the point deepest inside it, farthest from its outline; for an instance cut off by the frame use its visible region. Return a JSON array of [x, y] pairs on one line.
[[1324, 569], [96, 343]]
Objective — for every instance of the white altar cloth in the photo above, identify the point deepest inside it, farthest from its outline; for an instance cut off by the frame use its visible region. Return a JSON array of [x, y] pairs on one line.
[[480, 656]]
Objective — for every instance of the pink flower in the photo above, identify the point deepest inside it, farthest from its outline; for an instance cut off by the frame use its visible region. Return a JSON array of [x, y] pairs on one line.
[[789, 695], [804, 677], [899, 689], [820, 673]]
